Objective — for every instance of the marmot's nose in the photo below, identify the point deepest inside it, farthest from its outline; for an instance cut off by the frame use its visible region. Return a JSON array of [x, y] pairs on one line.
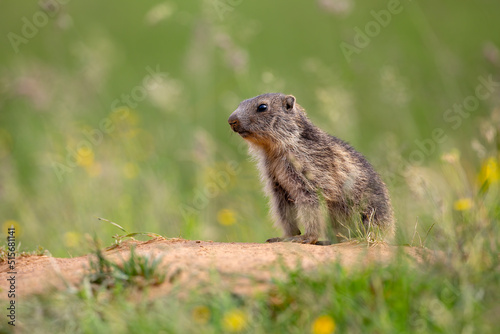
[[233, 121]]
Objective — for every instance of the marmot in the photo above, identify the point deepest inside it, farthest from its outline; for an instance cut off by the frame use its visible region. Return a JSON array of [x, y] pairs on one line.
[[302, 167]]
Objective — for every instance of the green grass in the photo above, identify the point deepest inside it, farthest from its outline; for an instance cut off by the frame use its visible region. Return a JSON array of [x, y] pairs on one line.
[[136, 270], [450, 295], [454, 290], [169, 163]]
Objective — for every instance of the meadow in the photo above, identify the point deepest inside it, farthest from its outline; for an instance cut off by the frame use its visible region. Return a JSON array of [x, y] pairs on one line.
[[119, 110]]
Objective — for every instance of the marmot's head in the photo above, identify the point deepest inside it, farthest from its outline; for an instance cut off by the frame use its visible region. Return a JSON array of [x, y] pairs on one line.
[[267, 119]]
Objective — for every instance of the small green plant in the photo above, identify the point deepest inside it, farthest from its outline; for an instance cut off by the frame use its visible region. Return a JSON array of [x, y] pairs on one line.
[[137, 270], [120, 238]]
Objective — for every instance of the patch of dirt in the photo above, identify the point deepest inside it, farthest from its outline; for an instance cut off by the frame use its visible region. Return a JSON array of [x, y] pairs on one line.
[[245, 267]]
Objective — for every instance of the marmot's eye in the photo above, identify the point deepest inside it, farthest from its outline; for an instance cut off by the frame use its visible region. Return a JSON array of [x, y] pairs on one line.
[[262, 107]]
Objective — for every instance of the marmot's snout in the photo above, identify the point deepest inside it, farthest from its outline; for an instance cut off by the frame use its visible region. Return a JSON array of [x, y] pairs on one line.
[[235, 124]]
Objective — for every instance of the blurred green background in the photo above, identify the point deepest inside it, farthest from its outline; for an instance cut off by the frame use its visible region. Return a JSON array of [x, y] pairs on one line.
[[119, 110]]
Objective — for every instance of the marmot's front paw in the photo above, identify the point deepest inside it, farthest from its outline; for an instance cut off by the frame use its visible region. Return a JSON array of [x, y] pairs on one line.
[[275, 240], [303, 239]]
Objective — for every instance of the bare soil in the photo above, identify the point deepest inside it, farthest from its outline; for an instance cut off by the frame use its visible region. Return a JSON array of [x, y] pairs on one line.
[[243, 267]]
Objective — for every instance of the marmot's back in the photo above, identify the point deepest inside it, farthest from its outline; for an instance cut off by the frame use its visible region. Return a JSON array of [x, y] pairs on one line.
[[300, 163]]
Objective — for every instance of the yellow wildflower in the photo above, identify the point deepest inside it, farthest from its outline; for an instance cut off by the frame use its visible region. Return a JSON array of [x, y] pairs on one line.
[[12, 223], [234, 321], [463, 204], [323, 325], [85, 157], [71, 239], [226, 217], [490, 172], [201, 314]]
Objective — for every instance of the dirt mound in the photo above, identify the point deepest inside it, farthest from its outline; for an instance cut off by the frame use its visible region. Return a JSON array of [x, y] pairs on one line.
[[246, 267]]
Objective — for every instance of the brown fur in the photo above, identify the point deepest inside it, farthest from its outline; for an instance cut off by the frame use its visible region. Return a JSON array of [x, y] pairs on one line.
[[300, 164]]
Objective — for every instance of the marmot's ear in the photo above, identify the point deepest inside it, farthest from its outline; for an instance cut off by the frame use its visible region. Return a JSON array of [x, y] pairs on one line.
[[289, 102]]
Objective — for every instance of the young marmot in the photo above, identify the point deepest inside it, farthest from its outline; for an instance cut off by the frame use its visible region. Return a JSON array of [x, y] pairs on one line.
[[302, 166]]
